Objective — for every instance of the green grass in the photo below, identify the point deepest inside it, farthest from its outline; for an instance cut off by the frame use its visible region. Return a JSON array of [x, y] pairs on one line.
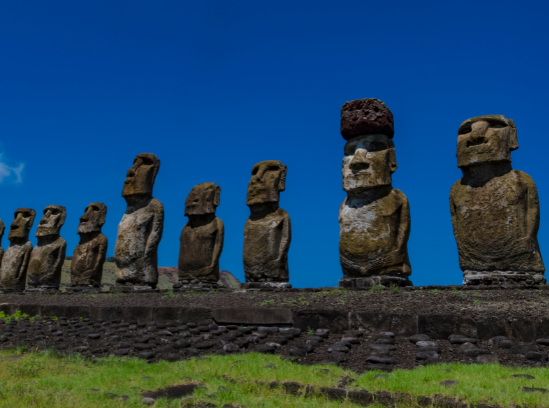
[[43, 379]]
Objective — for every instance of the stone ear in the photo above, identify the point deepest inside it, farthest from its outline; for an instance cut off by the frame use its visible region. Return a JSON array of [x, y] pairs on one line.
[[282, 179], [217, 195], [62, 219], [513, 141], [103, 216], [392, 160]]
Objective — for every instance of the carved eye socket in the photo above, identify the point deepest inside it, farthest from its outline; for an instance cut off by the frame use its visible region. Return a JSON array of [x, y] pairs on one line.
[[497, 126], [465, 130], [254, 171], [376, 147]]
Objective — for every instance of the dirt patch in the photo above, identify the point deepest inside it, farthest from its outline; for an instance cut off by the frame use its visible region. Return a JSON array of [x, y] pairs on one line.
[[173, 392]]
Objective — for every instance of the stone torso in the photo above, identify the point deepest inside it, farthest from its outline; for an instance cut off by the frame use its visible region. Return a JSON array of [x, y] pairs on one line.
[[87, 261], [46, 262], [491, 223], [139, 234], [13, 271], [262, 242], [197, 250], [368, 233]]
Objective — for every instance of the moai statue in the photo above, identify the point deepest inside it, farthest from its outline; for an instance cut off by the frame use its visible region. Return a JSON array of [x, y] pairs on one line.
[[140, 230], [495, 209], [201, 238], [2, 228], [46, 260], [90, 253], [374, 219], [13, 271], [267, 233]]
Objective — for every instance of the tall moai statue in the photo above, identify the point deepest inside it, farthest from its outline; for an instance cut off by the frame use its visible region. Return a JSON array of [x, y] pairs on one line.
[[90, 253], [495, 209], [374, 219], [140, 230], [267, 233], [2, 228], [46, 260], [13, 271], [201, 238]]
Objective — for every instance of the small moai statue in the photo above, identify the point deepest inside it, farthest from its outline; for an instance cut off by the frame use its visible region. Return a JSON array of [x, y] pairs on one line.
[[13, 271], [140, 230], [2, 228], [495, 209], [90, 253], [201, 238], [374, 218], [267, 233], [46, 260]]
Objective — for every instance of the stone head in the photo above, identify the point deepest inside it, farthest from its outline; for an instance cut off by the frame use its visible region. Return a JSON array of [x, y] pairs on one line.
[[203, 199], [140, 178], [93, 218], [22, 223], [268, 180], [52, 221], [366, 117], [484, 139], [369, 162]]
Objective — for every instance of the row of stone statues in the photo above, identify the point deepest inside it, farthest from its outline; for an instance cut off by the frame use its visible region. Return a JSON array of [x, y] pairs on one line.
[[494, 209]]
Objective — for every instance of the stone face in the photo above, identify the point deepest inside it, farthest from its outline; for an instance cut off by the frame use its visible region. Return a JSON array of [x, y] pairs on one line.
[[267, 233], [366, 117], [13, 271], [140, 230], [495, 209], [90, 253], [202, 237], [374, 219], [46, 260]]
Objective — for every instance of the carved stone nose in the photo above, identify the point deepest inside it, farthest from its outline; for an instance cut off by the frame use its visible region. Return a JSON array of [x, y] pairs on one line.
[[359, 162]]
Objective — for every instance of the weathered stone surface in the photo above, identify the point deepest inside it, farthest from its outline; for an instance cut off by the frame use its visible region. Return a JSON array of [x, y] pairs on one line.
[[366, 117], [140, 230], [252, 315], [13, 271], [495, 209], [401, 324], [46, 260], [374, 219], [202, 237], [90, 253], [2, 228], [442, 326], [335, 320], [267, 233]]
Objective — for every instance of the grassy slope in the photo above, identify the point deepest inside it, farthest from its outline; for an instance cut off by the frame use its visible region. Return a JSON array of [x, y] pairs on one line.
[[65, 382]]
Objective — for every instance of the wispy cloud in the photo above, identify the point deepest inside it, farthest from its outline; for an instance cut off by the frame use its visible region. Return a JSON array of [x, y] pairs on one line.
[[9, 173]]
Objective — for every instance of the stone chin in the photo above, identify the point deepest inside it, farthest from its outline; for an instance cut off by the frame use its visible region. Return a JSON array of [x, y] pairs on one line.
[[18, 234], [364, 180], [45, 231], [86, 228], [261, 200]]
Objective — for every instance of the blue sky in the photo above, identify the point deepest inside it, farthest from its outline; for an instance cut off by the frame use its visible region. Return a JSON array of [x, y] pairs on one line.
[[212, 87]]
